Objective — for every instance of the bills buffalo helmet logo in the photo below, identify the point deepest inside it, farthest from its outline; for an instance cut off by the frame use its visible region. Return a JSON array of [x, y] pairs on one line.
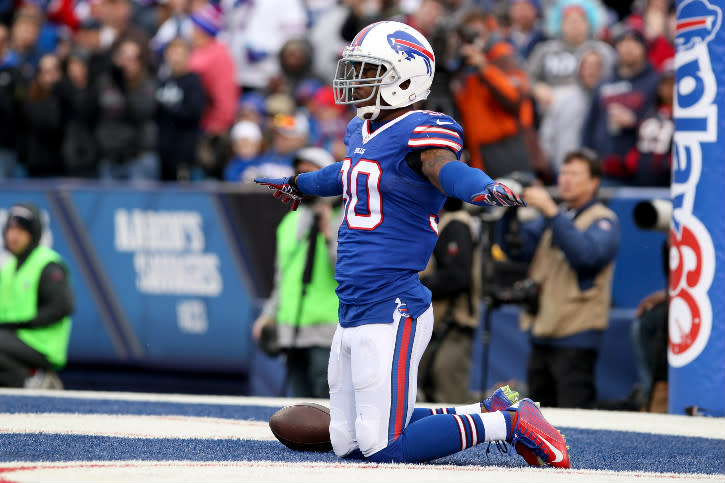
[[697, 22], [406, 44]]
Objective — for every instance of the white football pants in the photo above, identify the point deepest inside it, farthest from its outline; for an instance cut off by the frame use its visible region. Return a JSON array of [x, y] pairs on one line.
[[373, 377]]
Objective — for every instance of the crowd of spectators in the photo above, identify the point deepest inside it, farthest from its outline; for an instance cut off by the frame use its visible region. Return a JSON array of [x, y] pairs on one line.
[[179, 90]]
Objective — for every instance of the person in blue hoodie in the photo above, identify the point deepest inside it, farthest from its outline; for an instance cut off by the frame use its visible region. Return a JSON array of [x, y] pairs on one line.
[[619, 105]]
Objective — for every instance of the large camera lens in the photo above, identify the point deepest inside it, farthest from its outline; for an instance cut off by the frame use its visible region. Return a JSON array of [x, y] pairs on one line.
[[653, 214]]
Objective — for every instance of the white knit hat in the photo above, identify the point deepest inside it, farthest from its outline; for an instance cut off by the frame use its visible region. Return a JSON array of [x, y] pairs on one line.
[[247, 130]]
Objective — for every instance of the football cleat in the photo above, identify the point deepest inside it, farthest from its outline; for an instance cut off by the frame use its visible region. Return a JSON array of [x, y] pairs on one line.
[[535, 439], [502, 398]]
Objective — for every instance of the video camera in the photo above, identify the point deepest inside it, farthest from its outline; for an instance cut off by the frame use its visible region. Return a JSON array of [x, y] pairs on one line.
[[524, 293], [505, 280]]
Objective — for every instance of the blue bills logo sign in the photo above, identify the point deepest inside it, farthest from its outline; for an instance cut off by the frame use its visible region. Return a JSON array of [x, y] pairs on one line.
[[697, 23], [697, 279], [692, 254]]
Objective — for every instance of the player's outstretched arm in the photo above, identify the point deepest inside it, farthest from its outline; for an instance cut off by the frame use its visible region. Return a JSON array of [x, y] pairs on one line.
[[323, 182], [456, 179]]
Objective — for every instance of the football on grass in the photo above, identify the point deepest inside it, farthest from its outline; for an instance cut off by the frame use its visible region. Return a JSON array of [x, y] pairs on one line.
[[302, 427]]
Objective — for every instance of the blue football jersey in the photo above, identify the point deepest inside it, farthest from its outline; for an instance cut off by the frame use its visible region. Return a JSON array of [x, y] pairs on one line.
[[391, 215]]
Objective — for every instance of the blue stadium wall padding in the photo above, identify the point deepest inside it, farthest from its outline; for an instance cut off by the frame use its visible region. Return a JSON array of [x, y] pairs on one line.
[[172, 277], [638, 268], [696, 353]]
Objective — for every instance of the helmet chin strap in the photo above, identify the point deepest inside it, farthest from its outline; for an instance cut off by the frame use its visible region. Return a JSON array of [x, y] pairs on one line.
[[370, 113]]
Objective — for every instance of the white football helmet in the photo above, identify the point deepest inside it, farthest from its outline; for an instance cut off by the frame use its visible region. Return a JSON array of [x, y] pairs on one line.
[[405, 55]]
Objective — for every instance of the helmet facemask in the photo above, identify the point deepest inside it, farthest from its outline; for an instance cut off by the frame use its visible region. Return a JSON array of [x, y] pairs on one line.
[[351, 75]]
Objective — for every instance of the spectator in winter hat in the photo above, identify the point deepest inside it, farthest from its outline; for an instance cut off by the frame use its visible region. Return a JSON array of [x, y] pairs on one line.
[[247, 162], [36, 301], [279, 104], [289, 134], [178, 24], [553, 63], [251, 108], [211, 60]]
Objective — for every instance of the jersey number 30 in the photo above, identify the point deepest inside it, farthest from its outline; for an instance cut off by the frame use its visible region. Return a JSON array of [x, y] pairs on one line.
[[362, 182]]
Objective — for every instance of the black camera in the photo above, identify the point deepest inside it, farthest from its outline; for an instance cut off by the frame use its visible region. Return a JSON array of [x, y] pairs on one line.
[[524, 293], [268, 342], [468, 35]]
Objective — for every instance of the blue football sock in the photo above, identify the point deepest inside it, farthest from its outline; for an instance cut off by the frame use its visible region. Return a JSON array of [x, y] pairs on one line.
[[419, 413], [433, 437]]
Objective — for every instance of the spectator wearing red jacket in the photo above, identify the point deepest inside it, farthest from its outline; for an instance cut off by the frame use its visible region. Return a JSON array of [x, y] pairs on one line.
[[211, 60]]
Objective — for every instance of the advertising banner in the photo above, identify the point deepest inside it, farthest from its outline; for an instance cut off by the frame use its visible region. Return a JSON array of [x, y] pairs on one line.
[[177, 292], [696, 353]]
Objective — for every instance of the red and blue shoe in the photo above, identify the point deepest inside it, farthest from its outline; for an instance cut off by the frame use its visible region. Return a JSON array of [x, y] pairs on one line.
[[502, 398], [535, 439]]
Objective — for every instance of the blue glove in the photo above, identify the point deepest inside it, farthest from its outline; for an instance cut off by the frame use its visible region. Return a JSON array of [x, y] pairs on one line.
[[285, 189], [497, 194]]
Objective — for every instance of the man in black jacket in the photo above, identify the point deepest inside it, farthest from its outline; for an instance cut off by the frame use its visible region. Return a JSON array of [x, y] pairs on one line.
[[180, 103]]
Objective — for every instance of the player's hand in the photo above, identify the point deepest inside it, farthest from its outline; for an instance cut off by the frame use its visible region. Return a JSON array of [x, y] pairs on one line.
[[538, 197], [497, 194], [285, 190]]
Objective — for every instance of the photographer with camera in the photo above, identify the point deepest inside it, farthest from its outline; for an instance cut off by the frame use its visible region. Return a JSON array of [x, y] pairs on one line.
[[492, 95], [300, 316], [453, 277], [571, 249]]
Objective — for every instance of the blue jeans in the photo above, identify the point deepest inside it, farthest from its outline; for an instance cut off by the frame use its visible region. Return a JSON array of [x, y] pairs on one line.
[[145, 167], [644, 336]]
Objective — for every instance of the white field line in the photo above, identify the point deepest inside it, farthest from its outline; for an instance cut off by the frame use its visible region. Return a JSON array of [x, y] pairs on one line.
[[665, 424], [154, 397], [252, 471], [135, 426]]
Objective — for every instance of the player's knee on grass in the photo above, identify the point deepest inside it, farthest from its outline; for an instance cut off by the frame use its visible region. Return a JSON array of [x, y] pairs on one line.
[[371, 430], [342, 439], [393, 453]]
